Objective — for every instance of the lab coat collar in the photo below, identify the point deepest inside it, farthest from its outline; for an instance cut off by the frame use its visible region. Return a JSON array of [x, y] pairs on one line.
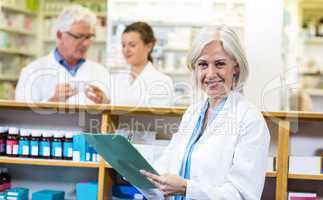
[[226, 117], [145, 74]]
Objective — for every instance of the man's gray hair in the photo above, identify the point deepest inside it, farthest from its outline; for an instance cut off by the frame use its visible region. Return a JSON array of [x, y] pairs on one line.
[[73, 14]]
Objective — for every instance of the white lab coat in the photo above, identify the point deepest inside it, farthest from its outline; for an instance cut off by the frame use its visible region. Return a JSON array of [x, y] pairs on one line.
[[38, 80], [229, 160], [150, 88]]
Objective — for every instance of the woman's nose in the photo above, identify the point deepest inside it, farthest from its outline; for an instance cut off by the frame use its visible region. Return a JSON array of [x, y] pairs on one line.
[[211, 70]]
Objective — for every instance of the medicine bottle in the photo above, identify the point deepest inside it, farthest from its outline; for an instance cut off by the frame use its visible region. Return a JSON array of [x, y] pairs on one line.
[[12, 145], [57, 145], [24, 143], [3, 140], [34, 143], [68, 146], [45, 144]]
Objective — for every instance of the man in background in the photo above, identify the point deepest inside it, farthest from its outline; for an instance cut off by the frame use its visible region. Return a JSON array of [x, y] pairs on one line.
[[65, 75]]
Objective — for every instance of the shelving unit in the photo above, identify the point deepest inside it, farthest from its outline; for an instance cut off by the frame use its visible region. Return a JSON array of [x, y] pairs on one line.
[[18, 43], [305, 177], [18, 10], [281, 126], [47, 162], [16, 52], [307, 47], [314, 41], [17, 31]]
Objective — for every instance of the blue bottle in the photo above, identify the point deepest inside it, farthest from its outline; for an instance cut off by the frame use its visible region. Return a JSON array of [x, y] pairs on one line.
[[24, 143], [57, 145], [68, 146], [34, 143], [45, 145]]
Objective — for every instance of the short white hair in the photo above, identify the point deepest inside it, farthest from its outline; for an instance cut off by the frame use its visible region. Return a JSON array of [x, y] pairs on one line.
[[73, 14], [231, 45]]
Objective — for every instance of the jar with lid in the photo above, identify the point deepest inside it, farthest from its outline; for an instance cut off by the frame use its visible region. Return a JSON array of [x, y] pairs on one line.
[[57, 145], [3, 140], [34, 143], [68, 146], [45, 144], [24, 143], [12, 145]]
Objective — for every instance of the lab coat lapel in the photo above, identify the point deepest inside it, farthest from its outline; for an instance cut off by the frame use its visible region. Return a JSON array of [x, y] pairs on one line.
[[226, 120], [143, 76]]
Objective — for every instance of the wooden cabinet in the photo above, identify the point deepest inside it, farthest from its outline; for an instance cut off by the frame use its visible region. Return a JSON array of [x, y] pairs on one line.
[[106, 118]]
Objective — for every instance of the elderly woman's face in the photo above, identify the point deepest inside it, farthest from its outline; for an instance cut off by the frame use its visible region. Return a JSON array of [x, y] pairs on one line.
[[215, 70]]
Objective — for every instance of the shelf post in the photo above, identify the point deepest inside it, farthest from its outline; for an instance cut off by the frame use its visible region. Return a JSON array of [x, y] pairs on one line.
[[282, 159], [106, 176]]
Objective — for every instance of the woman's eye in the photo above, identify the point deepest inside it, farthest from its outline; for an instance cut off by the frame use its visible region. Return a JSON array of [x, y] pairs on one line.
[[202, 65], [220, 64]]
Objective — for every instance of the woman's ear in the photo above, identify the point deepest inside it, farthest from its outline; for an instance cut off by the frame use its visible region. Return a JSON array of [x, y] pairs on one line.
[[236, 70], [151, 45]]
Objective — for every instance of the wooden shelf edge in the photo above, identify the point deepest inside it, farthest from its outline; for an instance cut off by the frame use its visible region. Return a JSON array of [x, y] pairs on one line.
[[16, 51], [129, 110], [318, 177], [107, 165], [271, 174], [17, 31], [17, 9], [47, 162]]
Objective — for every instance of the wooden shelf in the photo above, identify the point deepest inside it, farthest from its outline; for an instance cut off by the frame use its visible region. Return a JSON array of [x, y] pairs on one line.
[[16, 52], [9, 78], [182, 50], [306, 177], [18, 10], [314, 41], [17, 31], [177, 111], [271, 174], [55, 14], [47, 162], [176, 73], [107, 165], [101, 14], [50, 40], [314, 92]]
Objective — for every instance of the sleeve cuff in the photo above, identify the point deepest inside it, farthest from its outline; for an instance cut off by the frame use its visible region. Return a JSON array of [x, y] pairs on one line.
[[192, 190]]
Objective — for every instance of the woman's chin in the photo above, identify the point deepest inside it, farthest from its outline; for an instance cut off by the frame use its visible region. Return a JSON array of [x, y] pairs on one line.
[[216, 94]]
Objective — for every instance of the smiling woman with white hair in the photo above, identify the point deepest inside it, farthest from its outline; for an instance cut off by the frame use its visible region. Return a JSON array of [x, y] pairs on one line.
[[220, 150], [66, 75]]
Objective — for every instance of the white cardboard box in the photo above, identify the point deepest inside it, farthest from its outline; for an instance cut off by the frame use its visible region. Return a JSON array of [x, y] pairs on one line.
[[270, 164], [305, 165]]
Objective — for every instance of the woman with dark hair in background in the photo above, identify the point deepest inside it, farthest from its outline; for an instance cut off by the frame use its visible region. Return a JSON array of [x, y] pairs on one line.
[[141, 84]]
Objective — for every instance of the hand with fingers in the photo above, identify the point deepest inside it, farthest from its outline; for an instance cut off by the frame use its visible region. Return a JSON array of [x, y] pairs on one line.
[[168, 184], [62, 93], [96, 94]]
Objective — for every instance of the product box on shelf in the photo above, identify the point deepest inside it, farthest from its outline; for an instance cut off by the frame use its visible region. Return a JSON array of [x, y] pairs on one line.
[[87, 191], [3, 196], [81, 149], [17, 193], [301, 196], [48, 195], [125, 191], [305, 165], [271, 163]]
